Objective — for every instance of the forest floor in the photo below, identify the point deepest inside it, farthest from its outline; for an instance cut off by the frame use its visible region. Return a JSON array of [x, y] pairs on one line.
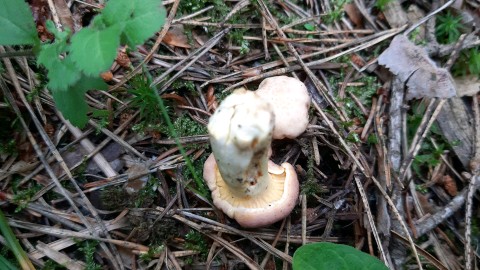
[[389, 162]]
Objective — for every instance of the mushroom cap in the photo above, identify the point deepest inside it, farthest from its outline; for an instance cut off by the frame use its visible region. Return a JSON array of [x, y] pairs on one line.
[[274, 204], [290, 102]]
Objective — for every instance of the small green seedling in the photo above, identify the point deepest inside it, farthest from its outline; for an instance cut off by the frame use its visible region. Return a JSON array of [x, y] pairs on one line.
[[328, 256], [74, 62], [448, 28], [382, 4]]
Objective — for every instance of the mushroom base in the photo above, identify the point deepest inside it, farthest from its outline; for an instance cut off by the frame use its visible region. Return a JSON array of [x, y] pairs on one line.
[[270, 206]]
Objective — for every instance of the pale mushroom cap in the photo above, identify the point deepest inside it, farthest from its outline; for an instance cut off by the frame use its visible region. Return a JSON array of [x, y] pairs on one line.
[[273, 205], [290, 101]]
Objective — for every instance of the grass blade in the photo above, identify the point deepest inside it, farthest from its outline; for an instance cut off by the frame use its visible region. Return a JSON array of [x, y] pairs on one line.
[[13, 244]]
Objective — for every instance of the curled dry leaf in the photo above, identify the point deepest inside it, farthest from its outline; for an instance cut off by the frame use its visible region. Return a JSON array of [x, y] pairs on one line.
[[413, 66], [176, 37], [450, 185], [357, 60], [179, 99], [137, 177], [212, 103]]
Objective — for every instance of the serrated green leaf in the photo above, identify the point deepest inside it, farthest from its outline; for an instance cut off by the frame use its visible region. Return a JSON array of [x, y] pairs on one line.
[[61, 72], [98, 22], [118, 11], [147, 18], [93, 51], [139, 19], [72, 102], [59, 35], [16, 23], [62, 75], [328, 256], [50, 53]]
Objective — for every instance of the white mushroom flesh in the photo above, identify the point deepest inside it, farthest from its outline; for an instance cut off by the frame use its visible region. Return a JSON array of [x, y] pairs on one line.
[[240, 135]]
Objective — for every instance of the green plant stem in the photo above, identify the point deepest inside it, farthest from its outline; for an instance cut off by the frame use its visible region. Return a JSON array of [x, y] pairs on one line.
[[5, 264], [167, 119], [13, 245], [17, 54]]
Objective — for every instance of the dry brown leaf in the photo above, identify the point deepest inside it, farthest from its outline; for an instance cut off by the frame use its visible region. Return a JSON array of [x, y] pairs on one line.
[[176, 37], [357, 60], [467, 85], [450, 185], [212, 103], [413, 66], [354, 14], [64, 14]]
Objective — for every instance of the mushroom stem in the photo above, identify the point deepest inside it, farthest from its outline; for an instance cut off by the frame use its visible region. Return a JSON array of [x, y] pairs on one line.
[[240, 135]]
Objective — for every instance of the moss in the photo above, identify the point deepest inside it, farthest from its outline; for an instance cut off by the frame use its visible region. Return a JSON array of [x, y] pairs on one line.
[[153, 251], [163, 231], [467, 63], [185, 126], [187, 7], [114, 198], [22, 197], [88, 248], [196, 241], [184, 84], [198, 170], [8, 126], [337, 11], [52, 265], [147, 229], [311, 185], [449, 27], [145, 196], [364, 94]]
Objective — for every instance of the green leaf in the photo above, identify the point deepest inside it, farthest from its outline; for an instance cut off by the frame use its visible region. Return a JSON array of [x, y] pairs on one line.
[[61, 72], [93, 51], [328, 256], [62, 75], [474, 62], [17, 25], [59, 35], [72, 102], [5, 264], [138, 19], [118, 11], [100, 113], [309, 27], [11, 242], [147, 18]]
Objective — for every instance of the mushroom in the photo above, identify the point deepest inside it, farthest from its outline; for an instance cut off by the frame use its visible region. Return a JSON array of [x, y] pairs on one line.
[[245, 185], [290, 102]]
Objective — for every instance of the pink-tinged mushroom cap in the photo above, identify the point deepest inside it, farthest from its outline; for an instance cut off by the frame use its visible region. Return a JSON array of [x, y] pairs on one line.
[[290, 101], [273, 204], [244, 183]]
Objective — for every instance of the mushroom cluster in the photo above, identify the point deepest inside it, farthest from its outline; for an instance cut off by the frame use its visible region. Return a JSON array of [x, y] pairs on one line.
[[245, 184]]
